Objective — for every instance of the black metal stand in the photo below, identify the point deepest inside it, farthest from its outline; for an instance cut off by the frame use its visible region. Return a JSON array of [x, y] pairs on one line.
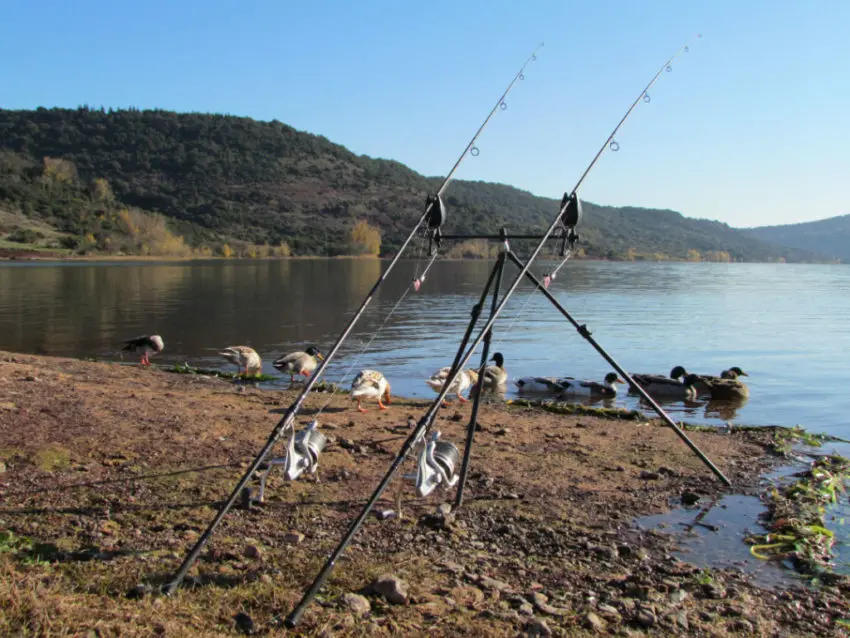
[[417, 435], [479, 387]]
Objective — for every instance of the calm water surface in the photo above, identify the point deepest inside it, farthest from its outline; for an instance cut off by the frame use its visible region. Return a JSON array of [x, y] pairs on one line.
[[783, 324]]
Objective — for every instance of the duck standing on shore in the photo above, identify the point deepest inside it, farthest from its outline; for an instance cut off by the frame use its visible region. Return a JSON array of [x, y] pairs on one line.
[[299, 362], [245, 358], [607, 388], [370, 384], [495, 376], [148, 344], [463, 380]]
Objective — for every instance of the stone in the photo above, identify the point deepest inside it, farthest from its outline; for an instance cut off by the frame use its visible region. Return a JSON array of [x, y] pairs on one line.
[[649, 476], [294, 538], [594, 622], [678, 596], [536, 627], [713, 591], [680, 620], [383, 515], [393, 588], [244, 623], [541, 602], [252, 551], [357, 604], [689, 498], [607, 610], [743, 625], [492, 584], [645, 618], [526, 609]]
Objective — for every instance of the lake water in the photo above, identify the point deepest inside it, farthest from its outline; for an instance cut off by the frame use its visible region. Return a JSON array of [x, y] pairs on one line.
[[783, 324]]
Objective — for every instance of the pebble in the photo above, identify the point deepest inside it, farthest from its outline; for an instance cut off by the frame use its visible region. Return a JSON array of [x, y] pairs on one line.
[[244, 623], [294, 538], [356, 603], [607, 610], [252, 551], [646, 618], [393, 588], [594, 622], [649, 476], [537, 627], [689, 498], [678, 596]]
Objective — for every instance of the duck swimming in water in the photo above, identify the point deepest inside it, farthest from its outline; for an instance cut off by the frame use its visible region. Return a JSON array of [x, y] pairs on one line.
[[370, 384], [539, 385], [672, 387], [726, 387], [303, 363], [148, 344], [607, 388], [245, 358]]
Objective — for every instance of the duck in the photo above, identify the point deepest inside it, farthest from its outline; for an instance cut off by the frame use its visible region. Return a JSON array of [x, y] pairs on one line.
[[607, 388], [465, 379], [148, 344], [672, 387], [726, 387], [495, 376], [370, 383], [539, 385], [245, 358], [299, 362]]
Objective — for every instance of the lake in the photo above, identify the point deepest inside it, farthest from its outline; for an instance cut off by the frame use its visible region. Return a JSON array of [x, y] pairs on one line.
[[784, 324]]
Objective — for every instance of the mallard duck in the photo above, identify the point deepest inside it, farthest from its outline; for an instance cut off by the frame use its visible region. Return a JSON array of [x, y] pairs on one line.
[[148, 344], [370, 383], [539, 385], [607, 388], [464, 380], [672, 387], [299, 362], [495, 376], [725, 387], [245, 358]]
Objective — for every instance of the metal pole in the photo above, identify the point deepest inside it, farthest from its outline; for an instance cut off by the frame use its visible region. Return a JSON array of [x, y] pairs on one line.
[[281, 426], [584, 332], [293, 618], [485, 353]]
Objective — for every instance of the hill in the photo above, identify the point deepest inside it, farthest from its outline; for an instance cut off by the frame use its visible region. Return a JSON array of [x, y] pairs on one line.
[[830, 237], [102, 179]]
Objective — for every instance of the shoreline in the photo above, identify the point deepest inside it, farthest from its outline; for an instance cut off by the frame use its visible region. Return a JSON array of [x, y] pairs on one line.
[[110, 473]]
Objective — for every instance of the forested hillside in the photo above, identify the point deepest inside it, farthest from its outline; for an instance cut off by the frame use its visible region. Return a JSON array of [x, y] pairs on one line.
[[830, 237], [230, 185]]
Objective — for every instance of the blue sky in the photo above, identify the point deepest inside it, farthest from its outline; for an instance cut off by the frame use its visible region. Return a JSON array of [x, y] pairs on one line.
[[750, 128]]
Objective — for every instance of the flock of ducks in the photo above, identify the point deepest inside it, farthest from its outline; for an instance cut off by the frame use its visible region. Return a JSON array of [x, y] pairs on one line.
[[679, 385], [371, 384]]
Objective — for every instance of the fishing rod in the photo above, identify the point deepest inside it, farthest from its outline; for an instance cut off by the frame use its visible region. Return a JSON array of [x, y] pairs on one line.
[[568, 216], [434, 216]]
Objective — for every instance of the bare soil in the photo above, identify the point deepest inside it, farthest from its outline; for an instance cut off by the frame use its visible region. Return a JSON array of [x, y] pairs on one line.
[[113, 471]]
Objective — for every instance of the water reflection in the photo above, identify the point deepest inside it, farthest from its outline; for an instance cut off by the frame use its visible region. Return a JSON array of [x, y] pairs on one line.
[[774, 321]]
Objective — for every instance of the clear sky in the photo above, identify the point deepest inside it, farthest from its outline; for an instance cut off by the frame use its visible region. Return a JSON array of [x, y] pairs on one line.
[[750, 128]]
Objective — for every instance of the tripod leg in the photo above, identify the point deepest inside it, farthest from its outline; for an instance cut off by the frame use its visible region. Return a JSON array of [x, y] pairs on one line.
[[417, 434], [584, 332], [485, 353]]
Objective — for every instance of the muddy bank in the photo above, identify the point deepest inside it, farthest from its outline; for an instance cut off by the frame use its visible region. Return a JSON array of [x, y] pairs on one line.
[[110, 473]]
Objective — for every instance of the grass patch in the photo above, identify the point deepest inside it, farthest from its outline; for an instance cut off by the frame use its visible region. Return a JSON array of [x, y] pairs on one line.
[[557, 407], [185, 368], [796, 517], [52, 458]]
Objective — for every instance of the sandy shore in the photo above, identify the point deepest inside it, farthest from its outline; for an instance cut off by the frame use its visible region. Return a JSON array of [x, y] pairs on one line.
[[110, 472]]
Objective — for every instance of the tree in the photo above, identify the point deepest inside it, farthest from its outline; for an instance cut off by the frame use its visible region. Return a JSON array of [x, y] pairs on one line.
[[365, 239]]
